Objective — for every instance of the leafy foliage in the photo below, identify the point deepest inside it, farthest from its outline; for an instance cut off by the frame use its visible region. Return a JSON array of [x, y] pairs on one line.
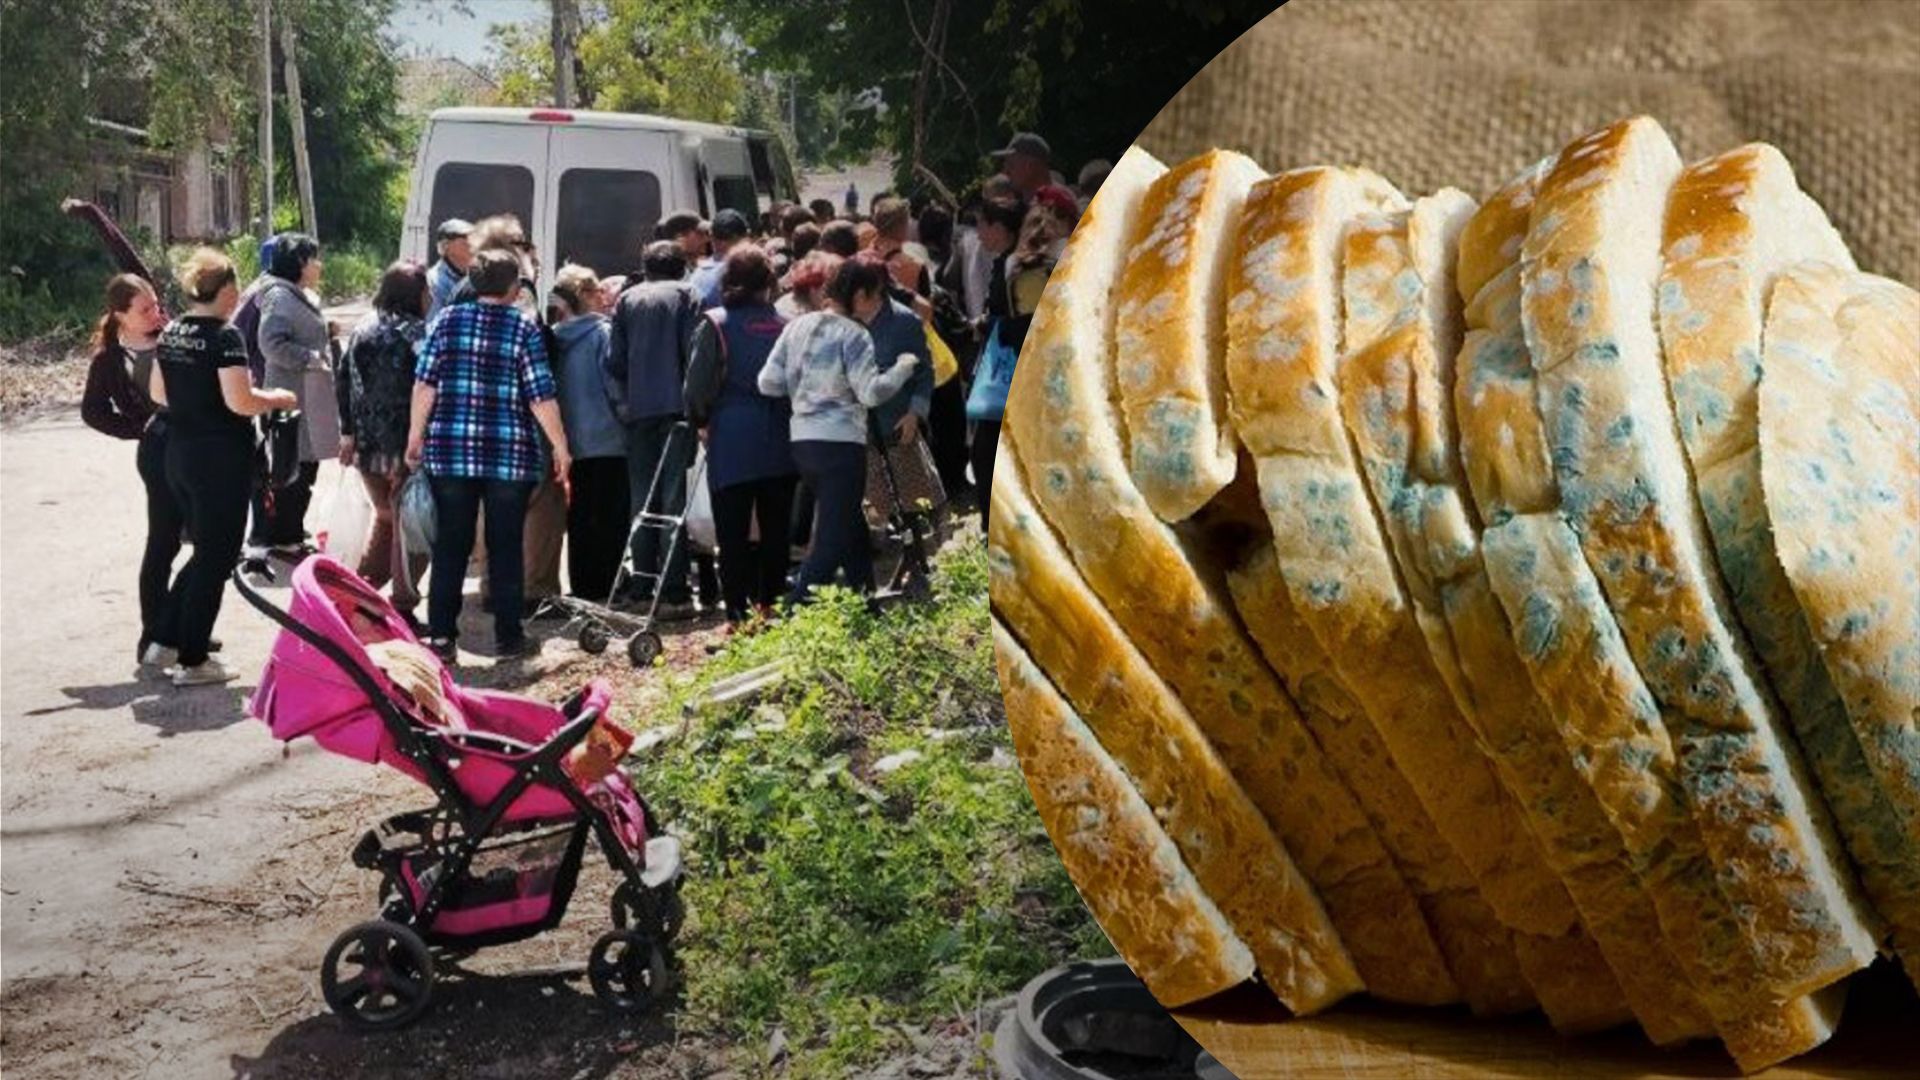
[[653, 56], [836, 900]]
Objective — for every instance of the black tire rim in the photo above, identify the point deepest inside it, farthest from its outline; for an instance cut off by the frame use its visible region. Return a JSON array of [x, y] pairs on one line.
[[594, 640], [644, 648], [378, 976], [627, 970]]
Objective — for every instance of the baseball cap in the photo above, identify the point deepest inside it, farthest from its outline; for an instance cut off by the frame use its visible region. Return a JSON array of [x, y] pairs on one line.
[[728, 224], [1027, 143], [452, 229]]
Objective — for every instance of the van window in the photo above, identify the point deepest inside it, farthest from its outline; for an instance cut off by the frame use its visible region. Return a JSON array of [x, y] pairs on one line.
[[464, 189], [606, 216], [736, 192]]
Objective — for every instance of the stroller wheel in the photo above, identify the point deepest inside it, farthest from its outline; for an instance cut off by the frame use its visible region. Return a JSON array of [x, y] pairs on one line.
[[594, 639], [918, 587], [644, 648], [628, 971], [377, 976], [659, 912]]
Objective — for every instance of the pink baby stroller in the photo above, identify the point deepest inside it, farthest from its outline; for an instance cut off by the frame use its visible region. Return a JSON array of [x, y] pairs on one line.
[[495, 859]]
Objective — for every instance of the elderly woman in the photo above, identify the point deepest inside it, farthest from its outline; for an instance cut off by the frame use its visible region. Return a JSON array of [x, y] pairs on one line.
[[824, 361], [294, 345], [376, 395]]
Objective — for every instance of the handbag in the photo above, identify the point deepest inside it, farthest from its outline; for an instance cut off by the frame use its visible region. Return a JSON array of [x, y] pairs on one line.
[[992, 377], [415, 513]]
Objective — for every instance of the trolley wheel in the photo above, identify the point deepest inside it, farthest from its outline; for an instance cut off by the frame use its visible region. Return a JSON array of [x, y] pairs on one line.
[[628, 970], [644, 648], [594, 639], [660, 912], [377, 976]]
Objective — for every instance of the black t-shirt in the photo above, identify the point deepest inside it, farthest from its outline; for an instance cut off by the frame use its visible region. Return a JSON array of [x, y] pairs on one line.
[[192, 351]]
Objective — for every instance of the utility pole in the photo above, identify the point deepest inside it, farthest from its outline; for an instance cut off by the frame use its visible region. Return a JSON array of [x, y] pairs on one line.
[[297, 119], [565, 36], [266, 117]]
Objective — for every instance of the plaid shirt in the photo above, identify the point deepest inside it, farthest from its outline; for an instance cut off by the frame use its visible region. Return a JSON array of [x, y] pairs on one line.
[[487, 363]]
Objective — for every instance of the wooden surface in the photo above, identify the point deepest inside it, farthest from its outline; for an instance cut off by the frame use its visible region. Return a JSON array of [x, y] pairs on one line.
[[1366, 1040]]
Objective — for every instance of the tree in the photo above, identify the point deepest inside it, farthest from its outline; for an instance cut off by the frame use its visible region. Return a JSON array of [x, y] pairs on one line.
[[670, 57]]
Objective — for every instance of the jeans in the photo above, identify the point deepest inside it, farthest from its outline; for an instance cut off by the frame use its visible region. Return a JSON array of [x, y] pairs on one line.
[[986, 443], [837, 472], [456, 505], [164, 524], [211, 478], [597, 520], [650, 442], [753, 572]]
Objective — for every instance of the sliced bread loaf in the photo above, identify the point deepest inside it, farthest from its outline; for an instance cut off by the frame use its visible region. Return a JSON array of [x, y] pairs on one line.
[[1170, 330], [1062, 418], [1328, 540], [1734, 223], [1120, 859], [1589, 268], [1839, 429], [1234, 855], [1581, 669], [1396, 396]]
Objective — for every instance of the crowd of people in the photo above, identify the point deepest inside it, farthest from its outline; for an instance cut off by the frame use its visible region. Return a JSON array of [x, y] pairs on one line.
[[794, 345]]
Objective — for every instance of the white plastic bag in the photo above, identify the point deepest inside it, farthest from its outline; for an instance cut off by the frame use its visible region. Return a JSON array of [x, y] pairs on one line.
[[349, 520], [701, 533], [414, 517]]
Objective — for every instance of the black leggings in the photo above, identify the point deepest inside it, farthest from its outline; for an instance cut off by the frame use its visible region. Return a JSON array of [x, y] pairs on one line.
[[986, 443], [753, 572], [211, 478], [837, 472], [164, 523], [597, 521]]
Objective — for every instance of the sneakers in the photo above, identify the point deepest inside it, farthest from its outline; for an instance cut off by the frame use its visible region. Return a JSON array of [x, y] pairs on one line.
[[159, 656], [204, 674], [518, 647], [444, 648]]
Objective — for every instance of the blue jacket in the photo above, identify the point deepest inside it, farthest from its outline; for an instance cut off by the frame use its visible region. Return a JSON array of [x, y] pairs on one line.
[[652, 337], [586, 402], [897, 331], [747, 431]]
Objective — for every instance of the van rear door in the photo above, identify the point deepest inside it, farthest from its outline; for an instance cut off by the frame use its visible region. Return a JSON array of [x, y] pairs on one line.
[[730, 176], [481, 169], [606, 189]]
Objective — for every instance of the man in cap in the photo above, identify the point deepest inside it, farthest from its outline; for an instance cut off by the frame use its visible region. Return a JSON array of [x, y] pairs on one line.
[[729, 231], [685, 228], [1027, 161], [456, 254]]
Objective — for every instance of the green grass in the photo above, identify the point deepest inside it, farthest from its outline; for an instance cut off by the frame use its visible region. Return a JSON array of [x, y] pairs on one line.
[[836, 902]]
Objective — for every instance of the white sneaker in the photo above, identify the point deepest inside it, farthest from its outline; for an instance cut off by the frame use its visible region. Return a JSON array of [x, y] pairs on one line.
[[159, 656], [204, 674]]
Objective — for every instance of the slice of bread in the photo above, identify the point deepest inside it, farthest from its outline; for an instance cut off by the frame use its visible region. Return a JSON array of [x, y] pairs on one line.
[[1581, 669], [1839, 429], [1170, 329], [1333, 557], [1734, 223], [1126, 869], [1589, 267], [1062, 417], [1234, 855], [1396, 396]]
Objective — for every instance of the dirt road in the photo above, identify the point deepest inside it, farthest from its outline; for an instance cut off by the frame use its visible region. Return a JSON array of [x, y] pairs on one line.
[[170, 878]]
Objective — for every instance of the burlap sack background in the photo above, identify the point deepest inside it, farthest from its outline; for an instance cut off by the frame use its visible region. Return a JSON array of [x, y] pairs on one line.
[[1468, 92]]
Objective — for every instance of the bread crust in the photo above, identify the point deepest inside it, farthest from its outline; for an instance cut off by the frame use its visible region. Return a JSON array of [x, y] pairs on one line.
[[1396, 396], [1589, 267], [1125, 867], [1839, 427], [1062, 419], [1581, 669], [1181, 449], [1239, 863]]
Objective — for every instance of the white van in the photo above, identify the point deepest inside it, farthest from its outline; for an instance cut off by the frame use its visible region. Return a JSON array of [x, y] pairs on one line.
[[588, 186]]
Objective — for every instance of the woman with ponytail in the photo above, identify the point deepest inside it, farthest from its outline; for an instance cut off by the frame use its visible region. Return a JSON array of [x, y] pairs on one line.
[[116, 404]]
